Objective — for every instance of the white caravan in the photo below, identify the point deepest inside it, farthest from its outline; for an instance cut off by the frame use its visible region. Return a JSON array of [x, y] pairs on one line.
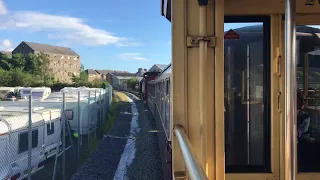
[[25, 92], [4, 91], [14, 139], [40, 93]]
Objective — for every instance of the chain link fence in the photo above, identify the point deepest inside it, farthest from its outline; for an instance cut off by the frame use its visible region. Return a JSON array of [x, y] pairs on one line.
[[49, 135]]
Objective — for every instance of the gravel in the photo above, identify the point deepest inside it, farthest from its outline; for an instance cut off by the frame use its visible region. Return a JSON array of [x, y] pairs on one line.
[[147, 162], [103, 162]]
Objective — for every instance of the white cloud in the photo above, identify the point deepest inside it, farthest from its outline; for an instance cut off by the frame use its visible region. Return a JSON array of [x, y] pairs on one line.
[[132, 57], [6, 45], [70, 30], [3, 9]]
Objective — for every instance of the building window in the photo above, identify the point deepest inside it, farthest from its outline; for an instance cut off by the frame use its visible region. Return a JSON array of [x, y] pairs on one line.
[[50, 128], [62, 57], [69, 73], [68, 57], [23, 141], [75, 58]]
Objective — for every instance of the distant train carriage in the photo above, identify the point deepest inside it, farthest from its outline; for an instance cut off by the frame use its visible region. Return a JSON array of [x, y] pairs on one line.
[[148, 76]]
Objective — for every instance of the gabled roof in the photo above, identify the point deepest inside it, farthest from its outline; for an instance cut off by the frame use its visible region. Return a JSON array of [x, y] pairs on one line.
[[106, 71], [162, 66], [8, 53], [123, 74], [46, 48], [92, 71]]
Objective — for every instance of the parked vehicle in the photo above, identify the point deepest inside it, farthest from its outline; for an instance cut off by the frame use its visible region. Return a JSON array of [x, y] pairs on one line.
[[4, 91]]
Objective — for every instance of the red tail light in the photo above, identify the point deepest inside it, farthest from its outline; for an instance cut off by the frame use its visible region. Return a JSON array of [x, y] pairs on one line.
[[15, 177]]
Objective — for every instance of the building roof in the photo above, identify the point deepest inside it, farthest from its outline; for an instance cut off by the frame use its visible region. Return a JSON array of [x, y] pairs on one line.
[[8, 53], [92, 71], [162, 66], [106, 71], [123, 74], [51, 49]]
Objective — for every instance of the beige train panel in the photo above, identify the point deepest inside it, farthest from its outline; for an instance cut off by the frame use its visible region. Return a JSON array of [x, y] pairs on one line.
[[179, 86], [259, 7], [308, 176], [308, 19], [275, 89]]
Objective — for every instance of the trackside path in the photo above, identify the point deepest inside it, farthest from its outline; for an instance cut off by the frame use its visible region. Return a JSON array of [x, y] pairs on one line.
[[129, 150]]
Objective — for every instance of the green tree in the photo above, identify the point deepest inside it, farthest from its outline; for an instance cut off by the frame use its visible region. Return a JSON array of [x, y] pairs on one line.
[[5, 78], [81, 67], [20, 78], [5, 62], [132, 82], [45, 71], [18, 61], [33, 64]]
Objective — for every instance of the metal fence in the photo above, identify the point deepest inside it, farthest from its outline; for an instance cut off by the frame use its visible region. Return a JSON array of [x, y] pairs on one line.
[[52, 137]]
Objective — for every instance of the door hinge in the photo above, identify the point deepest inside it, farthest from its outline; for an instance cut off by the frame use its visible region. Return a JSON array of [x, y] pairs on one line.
[[193, 41]]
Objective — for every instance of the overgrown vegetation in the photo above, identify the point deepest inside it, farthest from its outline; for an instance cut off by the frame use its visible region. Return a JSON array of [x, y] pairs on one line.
[[34, 70], [118, 100], [131, 83]]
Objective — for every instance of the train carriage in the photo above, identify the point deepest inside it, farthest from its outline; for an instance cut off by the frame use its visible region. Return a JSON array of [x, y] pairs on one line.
[[158, 100]]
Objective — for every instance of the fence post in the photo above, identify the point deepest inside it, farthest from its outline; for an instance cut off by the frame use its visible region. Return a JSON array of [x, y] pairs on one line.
[[100, 109], [96, 119], [30, 137], [64, 137], [78, 153], [88, 122]]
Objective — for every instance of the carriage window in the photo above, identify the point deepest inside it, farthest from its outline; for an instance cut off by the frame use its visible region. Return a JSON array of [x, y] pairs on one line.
[[50, 128], [247, 134], [167, 110], [308, 83], [23, 141]]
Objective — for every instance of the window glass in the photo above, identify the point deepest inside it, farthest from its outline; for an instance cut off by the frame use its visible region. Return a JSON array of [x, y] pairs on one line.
[[247, 135], [23, 141], [50, 128], [308, 98]]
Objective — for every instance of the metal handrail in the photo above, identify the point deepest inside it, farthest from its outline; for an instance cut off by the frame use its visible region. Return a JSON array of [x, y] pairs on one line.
[[194, 169]]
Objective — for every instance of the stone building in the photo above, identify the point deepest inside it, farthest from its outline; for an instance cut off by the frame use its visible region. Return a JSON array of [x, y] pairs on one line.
[[64, 62]]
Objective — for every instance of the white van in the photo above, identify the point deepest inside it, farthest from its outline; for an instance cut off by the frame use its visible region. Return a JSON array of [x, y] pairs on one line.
[[14, 139]]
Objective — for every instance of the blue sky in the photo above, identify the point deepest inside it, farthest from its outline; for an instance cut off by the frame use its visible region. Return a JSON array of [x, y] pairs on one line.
[[121, 35]]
